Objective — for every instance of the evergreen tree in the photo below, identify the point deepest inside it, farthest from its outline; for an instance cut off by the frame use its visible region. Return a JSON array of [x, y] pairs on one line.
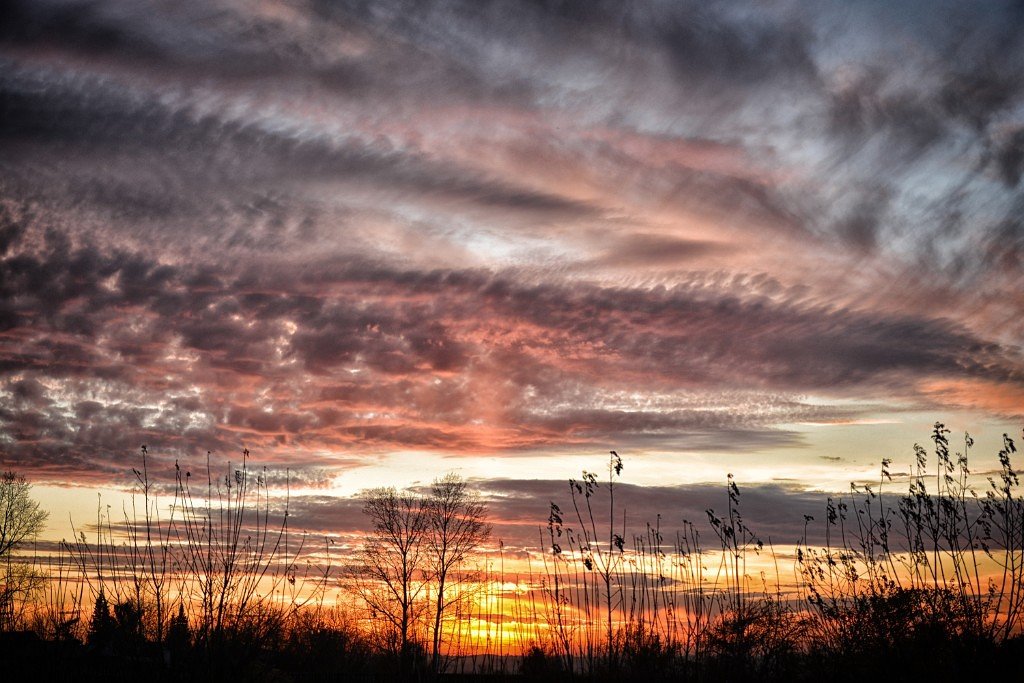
[[101, 626], [179, 636], [128, 616]]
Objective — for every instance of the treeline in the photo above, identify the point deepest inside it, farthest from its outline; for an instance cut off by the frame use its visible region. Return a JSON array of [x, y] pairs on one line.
[[924, 582], [208, 580]]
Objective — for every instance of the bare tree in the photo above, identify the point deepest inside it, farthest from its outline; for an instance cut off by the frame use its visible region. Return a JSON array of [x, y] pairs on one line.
[[457, 527], [21, 519], [393, 556]]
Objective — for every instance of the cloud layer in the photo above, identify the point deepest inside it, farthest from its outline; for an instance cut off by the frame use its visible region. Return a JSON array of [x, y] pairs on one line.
[[347, 229]]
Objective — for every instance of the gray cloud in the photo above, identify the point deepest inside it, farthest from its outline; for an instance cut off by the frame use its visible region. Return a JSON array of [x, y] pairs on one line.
[[519, 508], [496, 226], [115, 345], [1009, 158]]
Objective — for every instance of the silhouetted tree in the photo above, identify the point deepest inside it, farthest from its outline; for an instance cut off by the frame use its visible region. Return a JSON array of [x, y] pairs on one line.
[[457, 527], [128, 615], [179, 635], [393, 557], [102, 624], [21, 519]]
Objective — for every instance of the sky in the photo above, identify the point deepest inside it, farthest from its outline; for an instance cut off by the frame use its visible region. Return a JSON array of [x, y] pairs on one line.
[[374, 242]]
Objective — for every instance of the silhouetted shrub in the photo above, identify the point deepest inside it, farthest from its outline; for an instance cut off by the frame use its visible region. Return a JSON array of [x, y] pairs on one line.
[[541, 665]]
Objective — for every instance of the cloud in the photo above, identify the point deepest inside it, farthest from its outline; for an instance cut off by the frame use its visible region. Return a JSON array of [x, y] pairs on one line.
[[518, 509], [102, 121], [116, 346], [773, 511], [495, 227], [1009, 157]]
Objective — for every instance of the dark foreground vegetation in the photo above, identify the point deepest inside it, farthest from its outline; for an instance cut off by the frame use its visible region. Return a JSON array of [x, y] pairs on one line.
[[924, 583]]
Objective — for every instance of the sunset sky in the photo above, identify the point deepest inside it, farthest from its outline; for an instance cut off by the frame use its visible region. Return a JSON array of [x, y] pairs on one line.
[[374, 242]]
